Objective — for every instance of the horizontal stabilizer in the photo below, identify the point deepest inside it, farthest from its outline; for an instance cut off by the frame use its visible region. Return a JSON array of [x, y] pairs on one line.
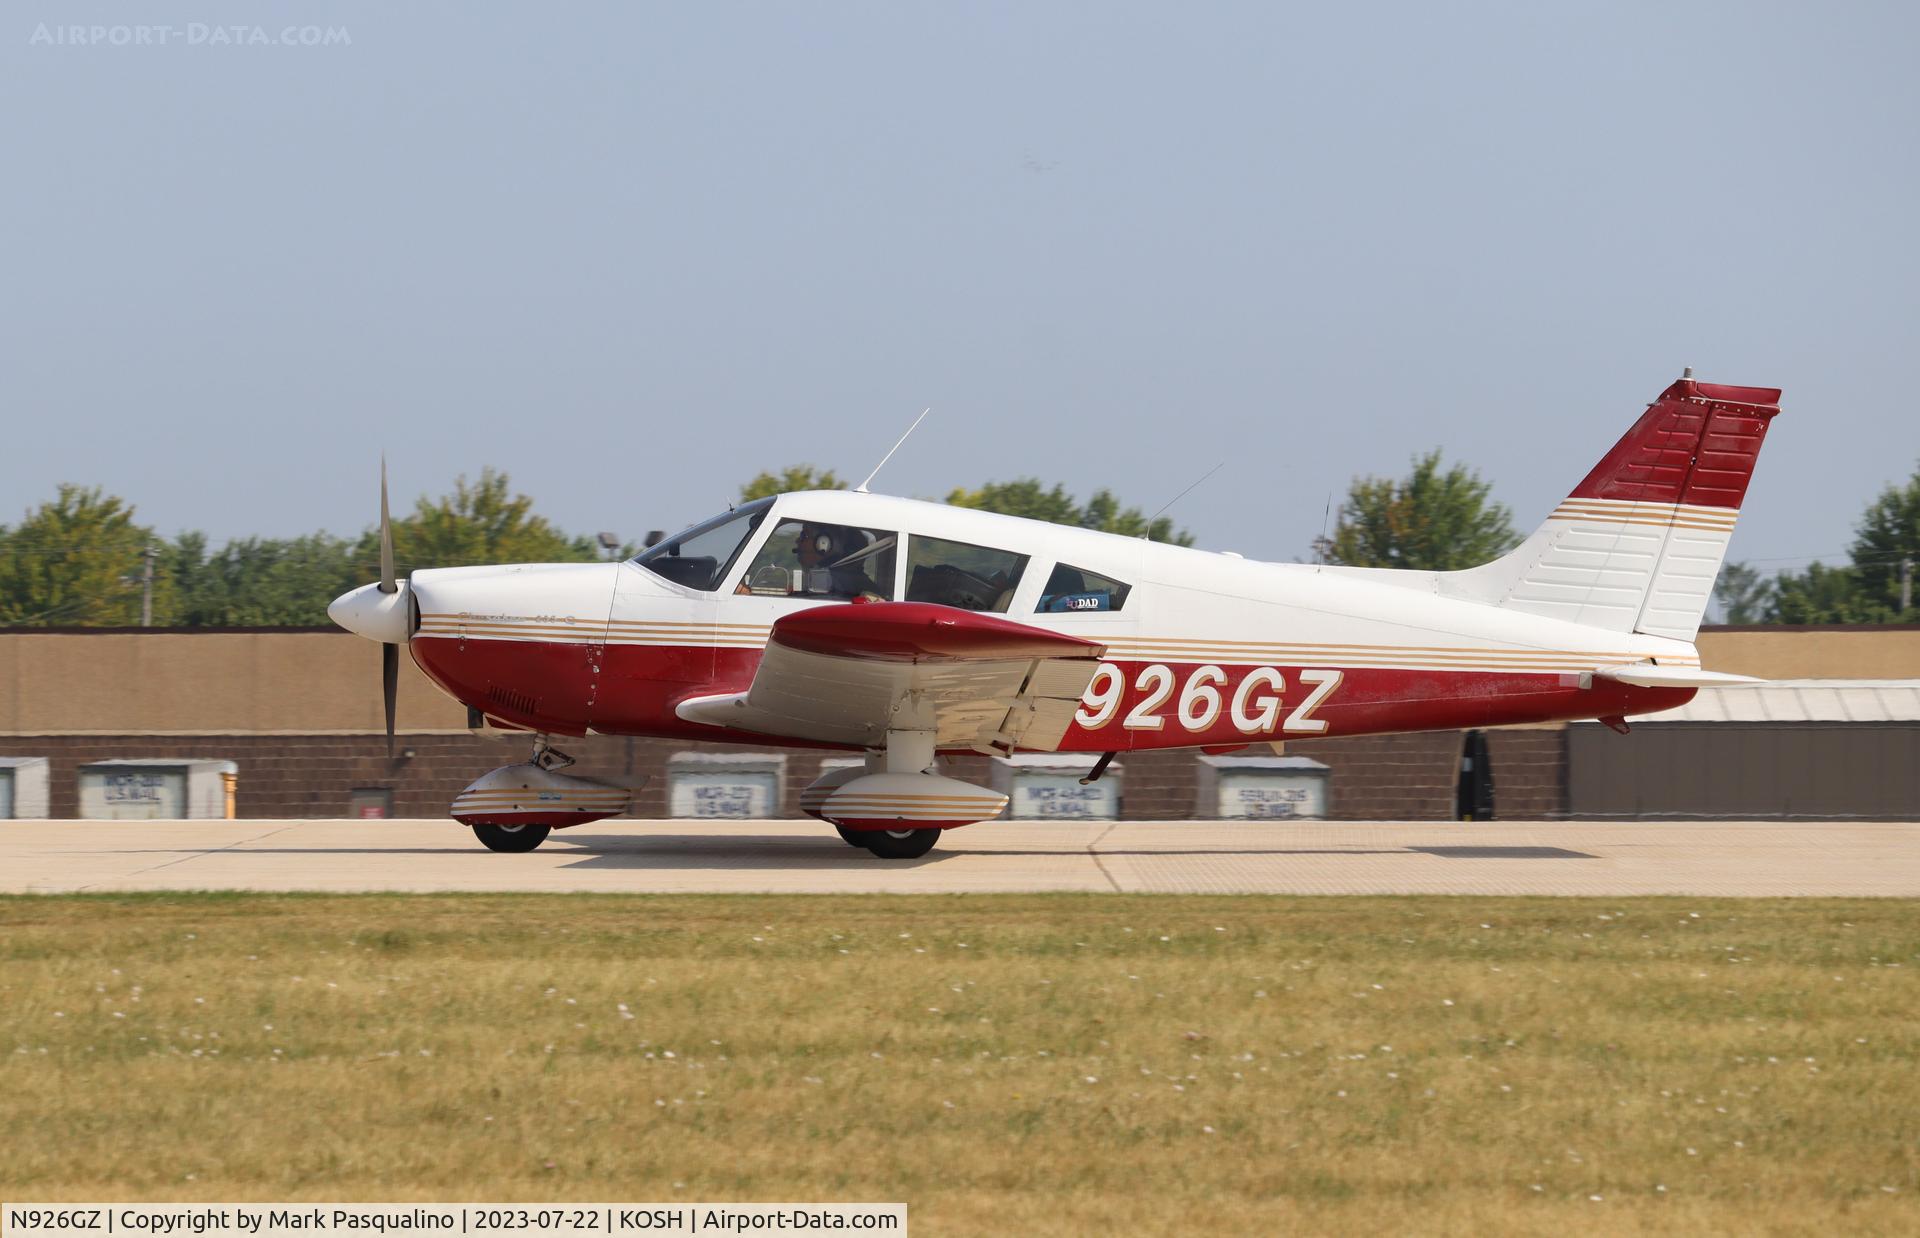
[[1647, 675]]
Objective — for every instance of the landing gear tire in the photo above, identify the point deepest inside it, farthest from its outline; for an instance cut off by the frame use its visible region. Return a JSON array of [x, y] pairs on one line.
[[511, 837], [853, 838], [900, 844]]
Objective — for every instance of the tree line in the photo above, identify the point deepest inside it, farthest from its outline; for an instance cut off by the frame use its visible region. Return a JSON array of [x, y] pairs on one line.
[[82, 559], [1444, 520]]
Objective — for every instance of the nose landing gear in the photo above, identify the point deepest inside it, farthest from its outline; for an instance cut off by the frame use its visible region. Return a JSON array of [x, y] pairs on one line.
[[515, 807]]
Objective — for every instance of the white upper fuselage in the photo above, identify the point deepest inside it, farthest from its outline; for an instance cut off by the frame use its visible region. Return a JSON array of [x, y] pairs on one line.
[[1183, 600]]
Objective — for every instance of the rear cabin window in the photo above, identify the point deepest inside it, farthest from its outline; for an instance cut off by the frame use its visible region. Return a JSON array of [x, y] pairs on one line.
[[1074, 590], [962, 575]]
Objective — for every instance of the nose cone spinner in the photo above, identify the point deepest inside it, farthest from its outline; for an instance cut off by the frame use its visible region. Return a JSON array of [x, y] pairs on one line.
[[378, 616]]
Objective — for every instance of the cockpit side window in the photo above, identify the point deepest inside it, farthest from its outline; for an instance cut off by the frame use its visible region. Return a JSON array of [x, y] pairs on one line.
[[962, 575], [700, 556], [1074, 590], [806, 558]]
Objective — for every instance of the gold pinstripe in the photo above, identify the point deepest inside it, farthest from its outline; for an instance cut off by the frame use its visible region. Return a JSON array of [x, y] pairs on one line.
[[1650, 515], [1169, 649], [895, 801], [1686, 509], [550, 796]]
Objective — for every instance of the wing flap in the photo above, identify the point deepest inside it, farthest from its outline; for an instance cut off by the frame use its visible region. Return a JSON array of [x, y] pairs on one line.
[[848, 674], [919, 632]]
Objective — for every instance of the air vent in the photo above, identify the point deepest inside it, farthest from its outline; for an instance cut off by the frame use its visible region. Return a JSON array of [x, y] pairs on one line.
[[518, 702]]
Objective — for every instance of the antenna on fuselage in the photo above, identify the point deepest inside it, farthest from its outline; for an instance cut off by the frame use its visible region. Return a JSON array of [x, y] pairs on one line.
[[1148, 535], [862, 487]]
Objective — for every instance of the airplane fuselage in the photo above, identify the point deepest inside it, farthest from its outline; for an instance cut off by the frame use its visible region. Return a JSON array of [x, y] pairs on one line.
[[1204, 649]]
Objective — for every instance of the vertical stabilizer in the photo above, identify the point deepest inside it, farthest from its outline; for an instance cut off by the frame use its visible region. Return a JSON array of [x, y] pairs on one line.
[[1637, 545]]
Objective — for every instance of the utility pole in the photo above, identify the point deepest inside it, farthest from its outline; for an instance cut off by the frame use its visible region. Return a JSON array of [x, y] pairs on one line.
[[1906, 584], [147, 557]]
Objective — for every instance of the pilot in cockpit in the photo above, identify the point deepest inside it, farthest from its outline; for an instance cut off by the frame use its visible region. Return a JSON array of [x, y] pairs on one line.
[[833, 561], [837, 549]]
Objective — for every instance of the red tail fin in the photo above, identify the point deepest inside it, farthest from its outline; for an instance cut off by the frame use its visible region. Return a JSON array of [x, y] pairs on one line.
[[1636, 546], [1696, 445]]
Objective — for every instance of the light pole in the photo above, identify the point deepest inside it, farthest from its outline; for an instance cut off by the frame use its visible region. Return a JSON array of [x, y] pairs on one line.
[[147, 556]]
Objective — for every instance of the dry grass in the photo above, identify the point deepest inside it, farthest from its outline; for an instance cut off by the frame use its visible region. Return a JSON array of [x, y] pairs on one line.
[[1034, 1063]]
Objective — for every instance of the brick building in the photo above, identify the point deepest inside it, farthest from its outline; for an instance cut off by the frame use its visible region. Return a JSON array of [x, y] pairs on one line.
[[299, 713]]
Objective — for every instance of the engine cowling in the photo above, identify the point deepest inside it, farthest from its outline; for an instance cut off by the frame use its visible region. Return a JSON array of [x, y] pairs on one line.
[[915, 801], [525, 794]]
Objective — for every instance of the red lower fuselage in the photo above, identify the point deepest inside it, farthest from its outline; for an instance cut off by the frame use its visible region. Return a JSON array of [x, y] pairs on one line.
[[633, 689]]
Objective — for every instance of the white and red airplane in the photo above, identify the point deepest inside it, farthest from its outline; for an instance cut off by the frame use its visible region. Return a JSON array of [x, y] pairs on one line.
[[904, 629]]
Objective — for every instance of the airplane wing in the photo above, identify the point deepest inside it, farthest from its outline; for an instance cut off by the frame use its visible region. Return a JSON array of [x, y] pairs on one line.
[[848, 674]]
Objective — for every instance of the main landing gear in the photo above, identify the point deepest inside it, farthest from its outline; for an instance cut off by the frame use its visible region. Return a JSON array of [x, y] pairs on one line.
[[514, 838], [891, 844], [900, 844], [893, 807]]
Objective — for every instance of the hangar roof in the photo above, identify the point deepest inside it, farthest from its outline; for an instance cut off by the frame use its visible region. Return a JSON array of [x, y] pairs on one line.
[[1802, 700]]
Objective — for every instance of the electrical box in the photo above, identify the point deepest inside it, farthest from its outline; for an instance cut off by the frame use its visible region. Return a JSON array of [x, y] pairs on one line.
[[370, 803], [730, 785], [1045, 786], [154, 790], [23, 788], [1231, 788]]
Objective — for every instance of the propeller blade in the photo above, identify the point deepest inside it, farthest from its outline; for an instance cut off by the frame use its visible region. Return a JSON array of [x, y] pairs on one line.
[[387, 584], [390, 687]]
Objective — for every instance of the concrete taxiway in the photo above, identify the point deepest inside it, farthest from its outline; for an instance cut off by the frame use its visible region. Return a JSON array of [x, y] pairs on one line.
[[1321, 857]]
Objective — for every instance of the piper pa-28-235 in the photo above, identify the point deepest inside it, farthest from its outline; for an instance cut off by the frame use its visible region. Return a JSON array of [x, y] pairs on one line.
[[903, 629]]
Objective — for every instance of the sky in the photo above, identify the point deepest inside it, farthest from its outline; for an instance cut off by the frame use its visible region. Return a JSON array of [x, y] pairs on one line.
[[633, 254]]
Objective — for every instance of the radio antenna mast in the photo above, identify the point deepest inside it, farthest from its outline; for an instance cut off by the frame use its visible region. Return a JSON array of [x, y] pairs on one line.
[[1148, 535], [862, 487]]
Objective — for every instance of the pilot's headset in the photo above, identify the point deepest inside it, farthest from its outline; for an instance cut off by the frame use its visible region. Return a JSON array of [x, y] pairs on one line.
[[827, 541]]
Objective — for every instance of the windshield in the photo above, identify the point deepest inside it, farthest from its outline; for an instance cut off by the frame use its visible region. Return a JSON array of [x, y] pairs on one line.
[[699, 557]]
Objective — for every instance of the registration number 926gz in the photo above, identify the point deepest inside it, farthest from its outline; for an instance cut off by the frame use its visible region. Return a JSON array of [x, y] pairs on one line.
[[56, 1218], [1254, 706]]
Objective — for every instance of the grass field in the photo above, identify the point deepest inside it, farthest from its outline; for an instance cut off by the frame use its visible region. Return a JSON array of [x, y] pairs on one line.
[[1040, 1064]]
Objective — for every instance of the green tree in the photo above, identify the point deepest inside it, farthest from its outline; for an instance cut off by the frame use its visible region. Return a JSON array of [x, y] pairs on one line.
[[259, 582], [1745, 596], [1429, 520], [1030, 498], [1888, 533], [1867, 590], [787, 480], [482, 522], [1823, 594], [77, 560]]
